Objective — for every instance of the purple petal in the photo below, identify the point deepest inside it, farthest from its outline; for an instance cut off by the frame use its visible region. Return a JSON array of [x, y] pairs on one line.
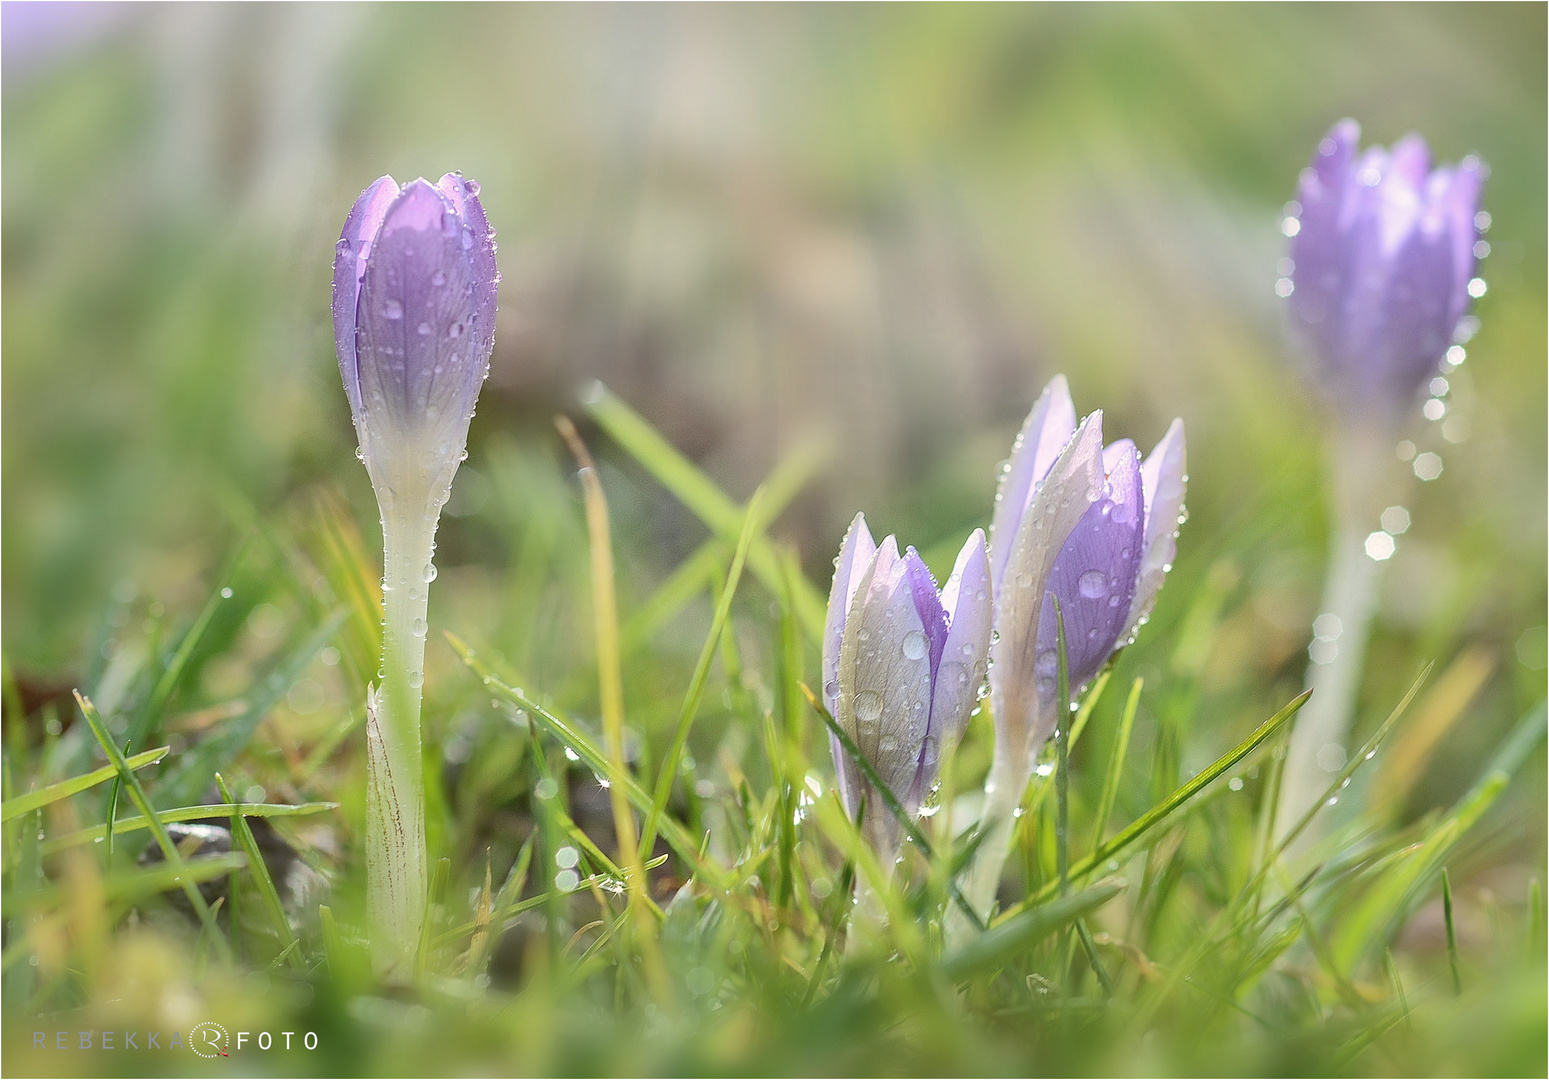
[[927, 603], [1073, 484], [478, 239], [960, 674], [1095, 577], [349, 266], [1044, 433], [884, 681], [1382, 261], [421, 363], [1163, 481]]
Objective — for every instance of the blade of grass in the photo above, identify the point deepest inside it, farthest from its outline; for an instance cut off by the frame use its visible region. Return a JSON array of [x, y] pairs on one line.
[[172, 674], [610, 688], [259, 870], [1452, 934], [118, 784], [95, 833], [1020, 932], [573, 737], [21, 804], [697, 492], [137, 795], [1110, 793], [751, 524], [1163, 810]]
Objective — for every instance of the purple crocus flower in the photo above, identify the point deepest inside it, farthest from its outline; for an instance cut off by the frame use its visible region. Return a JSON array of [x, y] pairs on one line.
[[414, 319], [1090, 525], [1382, 265], [903, 664]]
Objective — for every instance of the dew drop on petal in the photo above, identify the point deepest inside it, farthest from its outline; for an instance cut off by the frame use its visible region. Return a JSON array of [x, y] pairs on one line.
[[868, 706], [392, 310], [914, 644], [1093, 584]]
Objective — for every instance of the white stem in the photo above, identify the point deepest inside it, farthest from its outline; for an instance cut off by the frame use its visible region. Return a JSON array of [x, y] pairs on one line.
[[396, 878], [1363, 473], [1002, 795]]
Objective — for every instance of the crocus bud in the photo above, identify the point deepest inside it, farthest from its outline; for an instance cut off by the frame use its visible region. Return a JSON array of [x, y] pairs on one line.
[[1091, 526], [903, 664], [1382, 254], [414, 322]]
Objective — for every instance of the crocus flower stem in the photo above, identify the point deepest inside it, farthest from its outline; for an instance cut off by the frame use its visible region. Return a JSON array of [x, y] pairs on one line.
[[1364, 478], [396, 876]]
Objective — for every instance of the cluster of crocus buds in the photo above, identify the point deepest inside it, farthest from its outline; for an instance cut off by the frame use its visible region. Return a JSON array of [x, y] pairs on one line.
[[1383, 250], [1092, 527], [414, 322], [903, 664]]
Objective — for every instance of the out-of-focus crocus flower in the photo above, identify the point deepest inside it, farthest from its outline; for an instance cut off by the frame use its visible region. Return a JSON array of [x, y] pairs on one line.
[[903, 664], [414, 322], [1097, 529], [1383, 255], [1382, 265]]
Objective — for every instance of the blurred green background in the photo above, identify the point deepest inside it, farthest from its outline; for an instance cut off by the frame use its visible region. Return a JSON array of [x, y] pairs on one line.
[[879, 227]]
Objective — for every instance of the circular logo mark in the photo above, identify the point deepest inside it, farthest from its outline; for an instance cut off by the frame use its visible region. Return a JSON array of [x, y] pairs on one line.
[[209, 1040]]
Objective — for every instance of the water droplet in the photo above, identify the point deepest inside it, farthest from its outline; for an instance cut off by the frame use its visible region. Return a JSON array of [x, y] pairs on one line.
[[226, 593], [456, 330], [467, 237], [914, 645], [423, 330], [419, 628], [392, 310], [868, 706], [831, 689], [1048, 663], [416, 679], [1093, 584], [429, 573], [1024, 581], [1113, 601]]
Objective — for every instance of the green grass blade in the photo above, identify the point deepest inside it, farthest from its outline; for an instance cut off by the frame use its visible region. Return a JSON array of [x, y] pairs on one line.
[[1164, 809], [1452, 934], [1110, 793], [172, 674], [96, 833], [1017, 933], [751, 524], [260, 871], [594, 759], [174, 857], [696, 491], [21, 804]]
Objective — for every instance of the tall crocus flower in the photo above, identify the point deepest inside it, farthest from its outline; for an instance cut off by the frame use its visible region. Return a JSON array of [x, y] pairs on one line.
[[1095, 528], [1382, 265], [902, 667], [414, 323], [1382, 260]]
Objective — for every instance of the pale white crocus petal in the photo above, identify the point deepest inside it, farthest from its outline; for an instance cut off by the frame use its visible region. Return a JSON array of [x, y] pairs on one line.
[[885, 685], [1044, 434], [967, 598], [855, 557], [1164, 482], [1073, 484]]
